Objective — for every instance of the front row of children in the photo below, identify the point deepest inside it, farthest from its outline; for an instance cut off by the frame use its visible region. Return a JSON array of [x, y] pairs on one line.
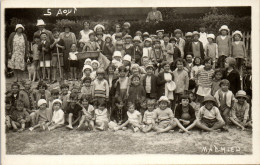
[[156, 115]]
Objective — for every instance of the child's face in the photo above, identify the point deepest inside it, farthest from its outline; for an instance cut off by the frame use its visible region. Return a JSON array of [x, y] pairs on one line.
[[41, 89], [210, 40], [27, 86], [122, 73], [100, 76], [15, 89], [136, 81], [195, 37], [237, 37], [120, 105], [157, 45], [128, 40], [19, 107], [147, 44], [226, 64], [118, 28], [73, 48], [166, 39], [99, 37], [92, 38], [56, 35], [135, 71], [56, 106], [223, 32], [177, 35], [166, 68], [185, 102], [94, 65], [126, 63], [131, 109], [188, 38], [117, 58], [81, 45], [150, 107], [108, 39], [197, 61], [43, 106], [189, 58], [110, 70], [160, 35], [143, 105], [180, 65], [208, 64], [73, 102], [86, 25], [145, 37], [101, 107], [192, 97], [85, 104], [173, 42], [145, 61], [136, 43], [241, 100], [43, 37], [87, 83], [118, 38], [55, 96], [202, 29], [149, 71], [87, 71], [224, 87], [208, 105], [163, 105], [218, 75], [65, 90]]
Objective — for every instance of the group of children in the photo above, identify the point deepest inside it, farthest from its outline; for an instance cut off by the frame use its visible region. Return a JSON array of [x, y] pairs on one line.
[[153, 82]]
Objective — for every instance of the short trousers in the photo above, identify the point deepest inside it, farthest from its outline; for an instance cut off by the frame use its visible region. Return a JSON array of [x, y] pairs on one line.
[[209, 122], [54, 60], [74, 63], [47, 64], [164, 124]]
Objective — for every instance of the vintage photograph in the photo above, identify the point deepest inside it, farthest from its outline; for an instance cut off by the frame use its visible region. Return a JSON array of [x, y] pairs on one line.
[[128, 80]]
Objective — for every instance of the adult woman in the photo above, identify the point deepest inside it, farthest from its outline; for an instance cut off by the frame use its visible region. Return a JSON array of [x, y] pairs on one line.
[[117, 30], [68, 37], [17, 47], [154, 16], [84, 34]]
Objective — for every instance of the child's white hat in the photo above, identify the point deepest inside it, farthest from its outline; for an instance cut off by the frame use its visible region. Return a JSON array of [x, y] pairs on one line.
[[87, 67], [157, 31], [241, 93], [137, 38], [41, 101], [19, 26], [177, 31], [145, 34], [188, 34], [108, 36], [56, 100], [196, 33], [95, 61], [135, 66], [87, 60], [117, 54], [224, 27], [127, 58], [148, 39], [40, 22], [211, 36], [99, 26], [127, 24], [237, 32], [164, 98]]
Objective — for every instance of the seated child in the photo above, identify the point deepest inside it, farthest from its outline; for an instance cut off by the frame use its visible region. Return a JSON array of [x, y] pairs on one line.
[[87, 87], [88, 116], [95, 65], [64, 96], [240, 111], [216, 81], [185, 113], [209, 117], [118, 114], [163, 116], [9, 108], [134, 119], [73, 111], [57, 116], [195, 105], [148, 116], [117, 59], [19, 116], [101, 117], [43, 115]]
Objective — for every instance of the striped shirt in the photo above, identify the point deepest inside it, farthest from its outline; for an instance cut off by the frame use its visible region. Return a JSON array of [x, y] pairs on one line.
[[205, 77], [100, 88]]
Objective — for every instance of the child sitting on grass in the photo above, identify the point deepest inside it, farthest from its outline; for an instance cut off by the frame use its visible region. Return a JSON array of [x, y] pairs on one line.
[[43, 115], [134, 119], [148, 116], [118, 114], [240, 111], [101, 117], [209, 117], [19, 117], [195, 105], [73, 111], [9, 108], [57, 116]]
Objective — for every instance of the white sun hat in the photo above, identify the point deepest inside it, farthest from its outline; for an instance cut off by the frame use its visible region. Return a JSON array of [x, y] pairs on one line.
[[117, 54], [41, 101], [224, 27], [211, 36], [19, 26], [127, 58], [40, 22], [56, 100], [87, 67], [237, 32], [99, 26]]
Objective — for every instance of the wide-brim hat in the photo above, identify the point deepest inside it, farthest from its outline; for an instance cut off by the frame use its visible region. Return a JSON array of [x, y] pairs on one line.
[[177, 31], [146, 34], [100, 71], [138, 32], [99, 26], [87, 67], [117, 54], [209, 98], [19, 26], [164, 98], [41, 101], [148, 39], [127, 58], [195, 33], [56, 100], [211, 36], [188, 34], [87, 60], [40, 22], [137, 38], [171, 86], [237, 32], [157, 31], [127, 24], [224, 27], [95, 61], [241, 93], [127, 36]]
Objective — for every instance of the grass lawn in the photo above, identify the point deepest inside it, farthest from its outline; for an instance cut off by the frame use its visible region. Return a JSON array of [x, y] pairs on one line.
[[63, 141]]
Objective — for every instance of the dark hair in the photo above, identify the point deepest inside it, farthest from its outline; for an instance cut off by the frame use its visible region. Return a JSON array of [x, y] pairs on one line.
[[134, 76], [122, 68], [99, 33], [85, 22], [55, 30], [184, 97], [218, 71], [15, 84], [55, 92], [165, 63], [87, 79], [166, 35], [73, 96], [207, 59], [172, 39], [72, 44], [130, 104], [19, 102], [194, 63], [8, 100], [119, 100], [85, 97], [64, 86], [224, 81], [42, 84], [190, 53], [180, 60]]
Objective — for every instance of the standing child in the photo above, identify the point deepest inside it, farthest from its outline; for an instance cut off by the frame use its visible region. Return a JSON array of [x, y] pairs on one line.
[[148, 116], [100, 40], [167, 48], [232, 75], [136, 91], [73, 62], [211, 49], [134, 119], [149, 82], [57, 120], [117, 59], [216, 81], [87, 87], [204, 79], [203, 35], [240, 111], [188, 40], [224, 45], [119, 46], [147, 49], [225, 99], [238, 51], [19, 117], [108, 48], [101, 117], [91, 45], [209, 117], [122, 83], [179, 41], [95, 65], [157, 55], [87, 70], [196, 46], [137, 50], [36, 54], [197, 65], [160, 34], [176, 53]]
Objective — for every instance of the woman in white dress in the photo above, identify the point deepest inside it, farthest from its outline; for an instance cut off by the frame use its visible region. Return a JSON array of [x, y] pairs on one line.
[[84, 34]]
